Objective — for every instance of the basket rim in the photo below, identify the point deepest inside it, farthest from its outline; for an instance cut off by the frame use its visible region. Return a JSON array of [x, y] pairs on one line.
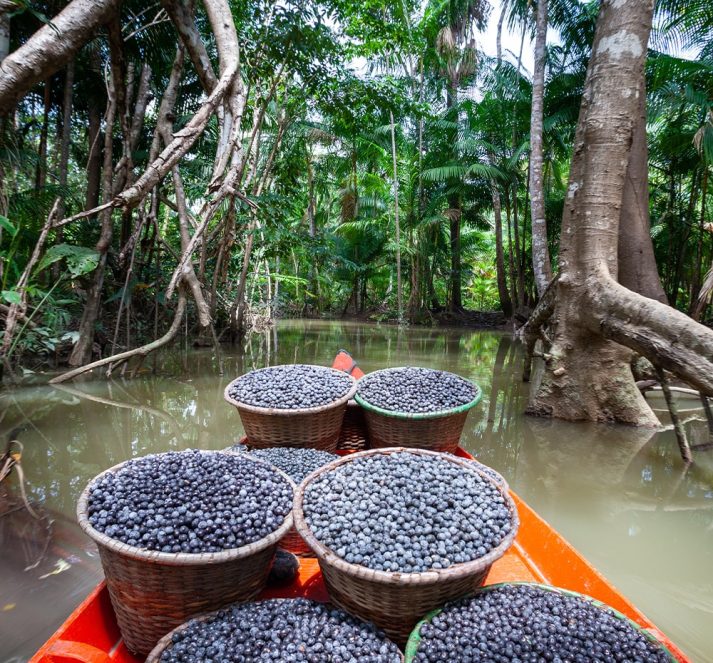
[[179, 559], [161, 646], [463, 569], [504, 481], [276, 411], [414, 639], [419, 415]]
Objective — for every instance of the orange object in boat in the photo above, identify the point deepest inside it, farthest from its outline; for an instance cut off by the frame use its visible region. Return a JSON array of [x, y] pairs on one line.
[[539, 554]]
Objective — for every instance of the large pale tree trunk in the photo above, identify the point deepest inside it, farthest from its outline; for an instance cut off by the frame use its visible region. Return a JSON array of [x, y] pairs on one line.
[[595, 321], [51, 47], [540, 251]]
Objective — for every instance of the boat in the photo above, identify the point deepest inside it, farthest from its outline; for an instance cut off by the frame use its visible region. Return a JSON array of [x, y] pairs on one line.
[[688, 401], [539, 554]]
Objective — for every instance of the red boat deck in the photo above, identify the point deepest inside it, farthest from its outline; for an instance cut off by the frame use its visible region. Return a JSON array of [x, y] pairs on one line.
[[539, 554]]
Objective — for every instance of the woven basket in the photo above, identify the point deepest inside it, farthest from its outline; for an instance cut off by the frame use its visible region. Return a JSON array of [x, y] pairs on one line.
[[396, 601], [415, 638], [354, 434], [167, 640], [314, 427], [433, 431], [293, 543], [153, 592]]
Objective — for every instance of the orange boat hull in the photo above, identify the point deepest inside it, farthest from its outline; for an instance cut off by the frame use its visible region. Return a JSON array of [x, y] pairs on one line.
[[539, 554]]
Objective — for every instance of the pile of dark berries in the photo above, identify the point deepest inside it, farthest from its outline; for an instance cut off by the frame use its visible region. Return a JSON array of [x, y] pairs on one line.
[[296, 462], [290, 387], [190, 502], [281, 630], [413, 390], [406, 512], [525, 623], [486, 469]]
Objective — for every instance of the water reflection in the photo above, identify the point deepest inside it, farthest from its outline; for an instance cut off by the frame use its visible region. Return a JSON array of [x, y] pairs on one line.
[[619, 494]]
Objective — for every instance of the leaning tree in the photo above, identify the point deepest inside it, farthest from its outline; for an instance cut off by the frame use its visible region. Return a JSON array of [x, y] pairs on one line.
[[599, 311]]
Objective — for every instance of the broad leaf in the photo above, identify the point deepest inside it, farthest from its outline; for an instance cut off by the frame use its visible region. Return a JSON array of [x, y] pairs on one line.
[[7, 225], [80, 259], [11, 296]]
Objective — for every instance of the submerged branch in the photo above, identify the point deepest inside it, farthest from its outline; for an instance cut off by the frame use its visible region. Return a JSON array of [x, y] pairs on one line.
[[141, 351]]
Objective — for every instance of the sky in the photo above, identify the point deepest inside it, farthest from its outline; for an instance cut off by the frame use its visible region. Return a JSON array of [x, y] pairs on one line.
[[487, 43], [510, 40]]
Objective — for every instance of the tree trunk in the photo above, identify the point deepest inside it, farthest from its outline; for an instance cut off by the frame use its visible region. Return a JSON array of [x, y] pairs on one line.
[[190, 37], [51, 47], [597, 321], [499, 34], [512, 256], [399, 291], [82, 352], [66, 131], [64, 153], [4, 34], [454, 217], [41, 169], [94, 160], [505, 302], [237, 314], [540, 251], [697, 275], [637, 263]]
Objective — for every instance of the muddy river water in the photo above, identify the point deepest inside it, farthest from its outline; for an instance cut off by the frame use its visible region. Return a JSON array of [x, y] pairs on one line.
[[620, 495]]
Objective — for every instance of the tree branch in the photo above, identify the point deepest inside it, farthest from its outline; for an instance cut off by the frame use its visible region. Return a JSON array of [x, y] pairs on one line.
[[668, 338], [141, 351], [51, 47]]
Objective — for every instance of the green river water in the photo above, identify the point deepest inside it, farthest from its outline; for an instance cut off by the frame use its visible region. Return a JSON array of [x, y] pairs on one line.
[[619, 495]]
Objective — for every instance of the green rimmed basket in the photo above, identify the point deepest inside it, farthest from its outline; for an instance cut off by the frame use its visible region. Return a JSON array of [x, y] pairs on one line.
[[415, 638], [314, 427], [432, 431], [152, 592], [395, 601]]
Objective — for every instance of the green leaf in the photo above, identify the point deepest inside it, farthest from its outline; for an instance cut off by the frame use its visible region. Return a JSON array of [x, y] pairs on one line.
[[11, 296], [80, 259], [7, 225]]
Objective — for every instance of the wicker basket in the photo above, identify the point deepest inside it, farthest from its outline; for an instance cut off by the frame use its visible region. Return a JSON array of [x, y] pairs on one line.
[[314, 427], [153, 592], [354, 434], [396, 601], [415, 638], [433, 431], [167, 640]]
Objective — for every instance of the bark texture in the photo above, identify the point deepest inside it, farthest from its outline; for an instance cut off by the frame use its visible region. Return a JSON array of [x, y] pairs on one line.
[[598, 322], [504, 295], [182, 18], [637, 263], [51, 47], [540, 250]]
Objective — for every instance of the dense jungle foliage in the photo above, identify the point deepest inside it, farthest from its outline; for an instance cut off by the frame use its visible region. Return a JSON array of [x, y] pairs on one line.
[[386, 158]]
